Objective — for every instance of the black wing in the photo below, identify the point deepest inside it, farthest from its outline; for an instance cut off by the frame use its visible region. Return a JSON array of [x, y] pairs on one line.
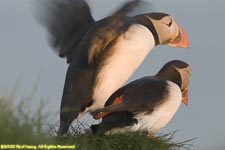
[[111, 27], [77, 92], [66, 21], [138, 96]]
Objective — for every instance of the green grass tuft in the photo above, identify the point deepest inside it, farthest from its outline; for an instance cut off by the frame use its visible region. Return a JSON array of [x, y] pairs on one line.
[[19, 125]]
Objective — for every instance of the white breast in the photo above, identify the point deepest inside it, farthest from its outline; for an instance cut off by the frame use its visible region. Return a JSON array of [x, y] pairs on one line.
[[161, 114], [159, 117], [127, 54]]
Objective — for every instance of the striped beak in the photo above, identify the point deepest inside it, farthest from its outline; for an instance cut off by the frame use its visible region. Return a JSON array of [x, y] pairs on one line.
[[180, 40]]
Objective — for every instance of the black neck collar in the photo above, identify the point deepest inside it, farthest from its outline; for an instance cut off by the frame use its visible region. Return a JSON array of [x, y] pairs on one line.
[[143, 20]]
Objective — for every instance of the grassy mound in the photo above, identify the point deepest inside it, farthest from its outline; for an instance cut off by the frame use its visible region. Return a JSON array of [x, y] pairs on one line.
[[128, 141], [18, 125]]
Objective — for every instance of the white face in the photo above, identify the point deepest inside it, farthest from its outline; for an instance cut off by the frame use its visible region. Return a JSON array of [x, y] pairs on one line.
[[167, 29]]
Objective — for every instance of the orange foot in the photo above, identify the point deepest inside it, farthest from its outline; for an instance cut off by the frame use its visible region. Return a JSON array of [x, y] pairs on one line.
[[103, 114]]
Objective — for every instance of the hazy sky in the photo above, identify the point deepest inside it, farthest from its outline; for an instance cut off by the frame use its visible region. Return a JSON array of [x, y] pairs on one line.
[[25, 51]]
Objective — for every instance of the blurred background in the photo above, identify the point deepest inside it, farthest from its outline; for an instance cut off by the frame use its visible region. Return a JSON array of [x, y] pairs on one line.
[[26, 57]]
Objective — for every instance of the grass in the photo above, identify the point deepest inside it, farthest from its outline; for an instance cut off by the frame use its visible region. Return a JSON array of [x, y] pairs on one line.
[[128, 141], [19, 125]]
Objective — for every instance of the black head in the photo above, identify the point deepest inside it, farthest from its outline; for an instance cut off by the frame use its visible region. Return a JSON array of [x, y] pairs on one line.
[[164, 28], [178, 72]]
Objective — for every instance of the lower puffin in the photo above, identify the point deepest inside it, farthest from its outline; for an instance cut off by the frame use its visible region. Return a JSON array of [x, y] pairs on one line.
[[146, 104]]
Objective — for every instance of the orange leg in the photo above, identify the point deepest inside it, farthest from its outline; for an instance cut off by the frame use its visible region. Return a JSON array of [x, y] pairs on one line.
[[103, 114]]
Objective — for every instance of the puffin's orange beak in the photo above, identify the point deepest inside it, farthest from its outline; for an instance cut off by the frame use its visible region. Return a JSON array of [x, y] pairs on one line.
[[180, 40], [184, 42], [185, 97]]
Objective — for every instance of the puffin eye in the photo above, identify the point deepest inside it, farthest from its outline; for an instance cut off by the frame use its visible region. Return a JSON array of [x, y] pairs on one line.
[[170, 23]]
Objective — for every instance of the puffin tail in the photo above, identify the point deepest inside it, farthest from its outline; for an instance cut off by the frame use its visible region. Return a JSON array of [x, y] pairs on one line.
[[98, 129], [63, 129], [94, 128]]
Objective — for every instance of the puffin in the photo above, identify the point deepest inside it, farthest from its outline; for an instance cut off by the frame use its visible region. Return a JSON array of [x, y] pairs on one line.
[[101, 54], [146, 104]]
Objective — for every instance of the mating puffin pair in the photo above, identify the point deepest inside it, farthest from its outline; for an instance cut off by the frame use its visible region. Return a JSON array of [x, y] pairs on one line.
[[103, 54]]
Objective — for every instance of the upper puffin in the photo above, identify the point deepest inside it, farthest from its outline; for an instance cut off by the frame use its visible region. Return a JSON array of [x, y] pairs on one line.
[[102, 54], [146, 104]]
